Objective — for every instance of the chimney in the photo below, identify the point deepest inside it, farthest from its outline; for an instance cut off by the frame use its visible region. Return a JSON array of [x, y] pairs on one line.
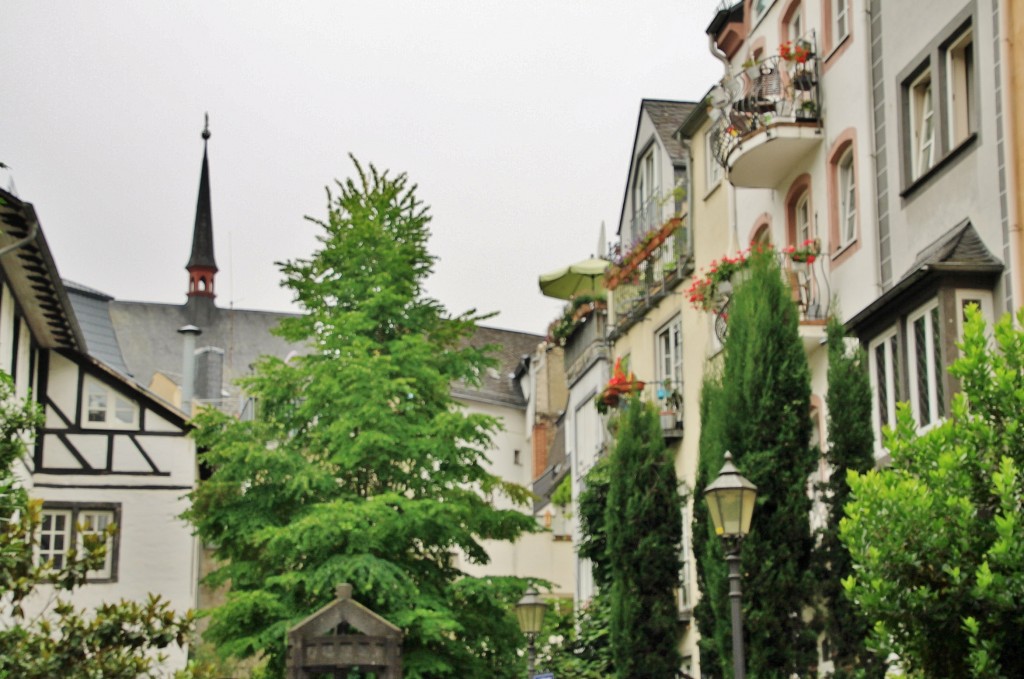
[[188, 366]]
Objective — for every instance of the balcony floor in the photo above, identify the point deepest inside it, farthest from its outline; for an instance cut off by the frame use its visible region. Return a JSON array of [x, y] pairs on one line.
[[765, 157]]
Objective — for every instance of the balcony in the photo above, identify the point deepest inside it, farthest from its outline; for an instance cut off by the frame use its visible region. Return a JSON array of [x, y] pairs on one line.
[[768, 116], [646, 274], [585, 344], [810, 291], [667, 395]]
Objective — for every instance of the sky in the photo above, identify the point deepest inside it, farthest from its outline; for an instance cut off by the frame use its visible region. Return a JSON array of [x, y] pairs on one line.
[[515, 119]]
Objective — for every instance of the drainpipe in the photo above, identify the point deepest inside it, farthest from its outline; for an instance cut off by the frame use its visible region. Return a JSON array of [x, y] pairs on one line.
[[1006, 13], [719, 54], [688, 159], [188, 366]]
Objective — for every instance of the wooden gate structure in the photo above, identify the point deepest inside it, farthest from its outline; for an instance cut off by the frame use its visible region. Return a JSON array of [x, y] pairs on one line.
[[323, 643]]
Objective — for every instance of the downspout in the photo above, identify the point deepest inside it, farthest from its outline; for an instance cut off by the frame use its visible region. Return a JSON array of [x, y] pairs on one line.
[[688, 159], [726, 66], [1006, 13]]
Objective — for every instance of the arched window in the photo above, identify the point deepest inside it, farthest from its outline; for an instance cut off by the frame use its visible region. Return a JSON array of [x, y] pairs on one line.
[[799, 212], [843, 215]]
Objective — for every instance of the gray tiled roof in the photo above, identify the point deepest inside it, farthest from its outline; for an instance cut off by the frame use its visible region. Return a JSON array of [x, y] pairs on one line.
[[667, 117], [140, 339]]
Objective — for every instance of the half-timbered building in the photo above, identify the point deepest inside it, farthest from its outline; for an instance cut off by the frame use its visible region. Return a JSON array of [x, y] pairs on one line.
[[109, 451]]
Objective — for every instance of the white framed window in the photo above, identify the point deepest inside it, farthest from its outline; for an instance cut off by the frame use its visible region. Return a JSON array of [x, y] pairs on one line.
[[927, 373], [847, 181], [669, 341], [840, 20], [802, 218], [64, 526], [922, 124], [960, 87], [713, 171], [884, 358], [55, 537], [760, 8], [981, 299], [105, 407], [795, 27], [645, 195]]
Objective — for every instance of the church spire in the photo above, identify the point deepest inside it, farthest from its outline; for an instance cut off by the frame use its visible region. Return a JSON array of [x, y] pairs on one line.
[[202, 267]]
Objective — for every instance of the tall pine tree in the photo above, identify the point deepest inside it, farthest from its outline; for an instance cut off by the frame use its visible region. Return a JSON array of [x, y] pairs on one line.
[[644, 533], [759, 410], [361, 467]]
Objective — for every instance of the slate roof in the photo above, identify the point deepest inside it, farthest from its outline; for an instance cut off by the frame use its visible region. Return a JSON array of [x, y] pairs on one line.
[[139, 339], [959, 251], [667, 117], [498, 383]]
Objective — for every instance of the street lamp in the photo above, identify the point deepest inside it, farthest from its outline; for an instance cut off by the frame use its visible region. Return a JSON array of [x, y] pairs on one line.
[[730, 500], [530, 613]]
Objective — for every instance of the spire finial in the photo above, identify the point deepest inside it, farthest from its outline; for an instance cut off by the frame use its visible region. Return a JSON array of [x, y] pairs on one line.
[[206, 126]]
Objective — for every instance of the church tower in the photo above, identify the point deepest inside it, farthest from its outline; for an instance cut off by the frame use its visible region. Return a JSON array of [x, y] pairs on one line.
[[202, 267]]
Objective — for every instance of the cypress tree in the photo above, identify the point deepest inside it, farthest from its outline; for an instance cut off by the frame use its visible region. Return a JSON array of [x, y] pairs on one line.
[[851, 446], [644, 536], [759, 412]]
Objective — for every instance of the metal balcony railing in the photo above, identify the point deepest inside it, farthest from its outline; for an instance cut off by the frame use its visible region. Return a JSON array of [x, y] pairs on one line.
[[766, 93], [645, 277], [809, 287], [647, 216]]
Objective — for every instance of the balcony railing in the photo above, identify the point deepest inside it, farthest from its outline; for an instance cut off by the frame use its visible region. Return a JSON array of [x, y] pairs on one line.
[[667, 395], [776, 99], [647, 217], [646, 274]]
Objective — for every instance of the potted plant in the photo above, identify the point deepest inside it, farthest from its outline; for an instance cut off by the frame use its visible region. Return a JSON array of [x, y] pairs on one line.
[[805, 254], [621, 384], [807, 111]]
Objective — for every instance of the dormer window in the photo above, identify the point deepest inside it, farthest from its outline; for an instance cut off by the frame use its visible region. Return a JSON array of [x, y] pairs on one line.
[[645, 204], [107, 408]]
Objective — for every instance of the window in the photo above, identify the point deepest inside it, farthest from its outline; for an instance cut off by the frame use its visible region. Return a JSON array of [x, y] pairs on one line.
[[922, 125], [939, 101], [927, 371], [884, 356], [840, 20], [670, 355], [799, 211], [760, 8], [847, 199], [960, 73], [106, 407], [802, 218], [64, 526], [645, 204], [713, 170]]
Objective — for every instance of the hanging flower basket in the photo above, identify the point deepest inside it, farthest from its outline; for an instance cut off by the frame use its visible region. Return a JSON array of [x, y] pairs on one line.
[[621, 384]]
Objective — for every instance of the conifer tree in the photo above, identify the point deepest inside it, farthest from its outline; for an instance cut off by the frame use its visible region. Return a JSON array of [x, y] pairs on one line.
[[361, 467], [759, 410], [850, 448], [644, 533]]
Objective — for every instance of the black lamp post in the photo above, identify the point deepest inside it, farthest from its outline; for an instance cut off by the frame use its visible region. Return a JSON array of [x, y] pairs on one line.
[[530, 613], [730, 500]]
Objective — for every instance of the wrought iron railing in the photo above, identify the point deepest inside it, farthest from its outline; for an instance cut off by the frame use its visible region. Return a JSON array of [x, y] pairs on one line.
[[809, 286], [771, 91], [647, 216]]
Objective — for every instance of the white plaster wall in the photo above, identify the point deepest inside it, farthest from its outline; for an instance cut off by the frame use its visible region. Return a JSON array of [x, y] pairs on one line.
[[646, 134], [968, 187], [156, 550]]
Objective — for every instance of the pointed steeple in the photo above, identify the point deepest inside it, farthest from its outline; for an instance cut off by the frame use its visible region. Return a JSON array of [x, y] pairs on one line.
[[202, 267]]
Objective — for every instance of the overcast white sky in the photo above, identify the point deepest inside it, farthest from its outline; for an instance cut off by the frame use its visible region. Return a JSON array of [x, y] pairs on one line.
[[516, 119]]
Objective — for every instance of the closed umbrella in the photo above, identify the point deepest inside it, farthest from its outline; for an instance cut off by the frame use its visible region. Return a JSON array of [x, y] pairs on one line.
[[581, 278]]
